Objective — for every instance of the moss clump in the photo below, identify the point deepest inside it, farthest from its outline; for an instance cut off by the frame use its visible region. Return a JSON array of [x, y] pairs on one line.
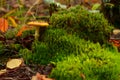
[[90, 26], [58, 44], [38, 55], [74, 56], [26, 54], [94, 67], [46, 51]]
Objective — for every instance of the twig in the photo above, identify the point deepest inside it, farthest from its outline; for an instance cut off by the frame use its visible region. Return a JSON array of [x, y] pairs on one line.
[[36, 2]]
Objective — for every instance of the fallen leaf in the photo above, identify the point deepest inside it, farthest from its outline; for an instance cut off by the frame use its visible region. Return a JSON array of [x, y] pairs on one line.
[[3, 25], [82, 76], [24, 28], [14, 24], [115, 42], [42, 77], [34, 78]]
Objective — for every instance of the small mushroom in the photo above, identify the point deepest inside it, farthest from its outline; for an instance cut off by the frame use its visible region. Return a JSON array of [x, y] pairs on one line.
[[37, 26]]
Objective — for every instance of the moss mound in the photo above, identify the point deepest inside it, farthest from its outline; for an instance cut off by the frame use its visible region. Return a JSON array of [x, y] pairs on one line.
[[90, 26], [102, 65]]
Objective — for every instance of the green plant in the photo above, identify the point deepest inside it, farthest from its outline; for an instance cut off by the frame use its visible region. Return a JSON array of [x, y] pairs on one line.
[[61, 42], [92, 60], [26, 54], [56, 45], [27, 33], [110, 47], [69, 69], [96, 6], [38, 55], [11, 33], [15, 47], [90, 26], [102, 65], [57, 40], [75, 58], [2, 47]]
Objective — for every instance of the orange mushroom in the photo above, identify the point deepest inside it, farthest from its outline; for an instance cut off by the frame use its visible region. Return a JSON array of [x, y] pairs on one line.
[[37, 26]]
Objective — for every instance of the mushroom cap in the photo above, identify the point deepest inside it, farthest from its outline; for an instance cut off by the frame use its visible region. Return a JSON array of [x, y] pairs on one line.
[[38, 24]]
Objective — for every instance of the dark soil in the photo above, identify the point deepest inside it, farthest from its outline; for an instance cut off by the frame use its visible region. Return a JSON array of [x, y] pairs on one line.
[[26, 72]]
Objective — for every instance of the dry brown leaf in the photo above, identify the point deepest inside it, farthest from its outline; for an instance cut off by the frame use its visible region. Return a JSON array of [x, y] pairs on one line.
[[34, 78], [38, 76], [82, 76]]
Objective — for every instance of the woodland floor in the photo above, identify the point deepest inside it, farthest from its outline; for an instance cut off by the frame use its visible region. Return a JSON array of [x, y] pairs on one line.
[[26, 72]]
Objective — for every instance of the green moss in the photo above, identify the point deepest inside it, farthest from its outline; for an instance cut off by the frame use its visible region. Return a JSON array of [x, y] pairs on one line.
[[74, 56], [57, 44], [68, 69], [11, 33], [27, 33], [26, 54], [64, 44], [2, 47], [15, 47], [90, 26], [38, 55], [102, 67]]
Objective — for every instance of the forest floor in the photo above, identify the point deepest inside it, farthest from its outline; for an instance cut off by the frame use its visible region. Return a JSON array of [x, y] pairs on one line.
[[26, 72]]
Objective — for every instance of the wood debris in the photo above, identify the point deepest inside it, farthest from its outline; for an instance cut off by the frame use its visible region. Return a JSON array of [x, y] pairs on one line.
[[14, 63]]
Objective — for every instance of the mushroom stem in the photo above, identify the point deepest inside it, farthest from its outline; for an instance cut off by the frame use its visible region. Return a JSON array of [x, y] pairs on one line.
[[37, 33]]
